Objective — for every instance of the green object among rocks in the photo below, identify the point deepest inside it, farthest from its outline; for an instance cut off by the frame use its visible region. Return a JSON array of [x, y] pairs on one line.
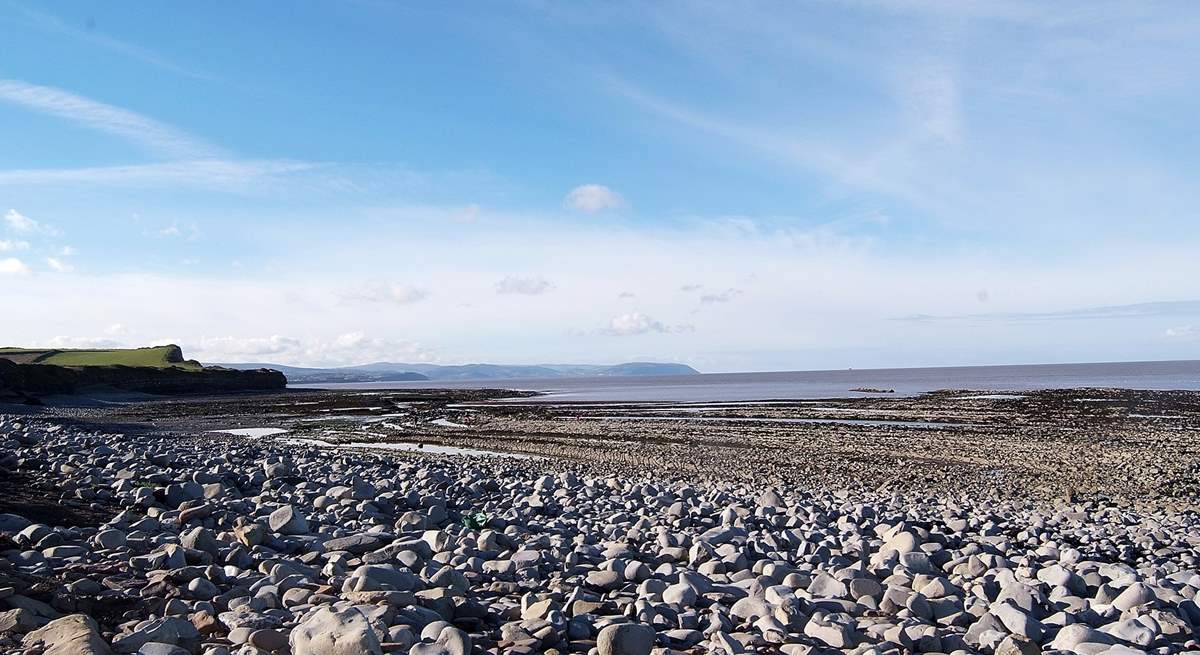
[[475, 521]]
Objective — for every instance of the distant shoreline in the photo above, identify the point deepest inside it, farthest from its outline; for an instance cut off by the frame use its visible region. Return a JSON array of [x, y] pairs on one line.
[[801, 385]]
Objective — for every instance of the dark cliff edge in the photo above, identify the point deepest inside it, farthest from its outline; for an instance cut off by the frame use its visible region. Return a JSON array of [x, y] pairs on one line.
[[24, 382]]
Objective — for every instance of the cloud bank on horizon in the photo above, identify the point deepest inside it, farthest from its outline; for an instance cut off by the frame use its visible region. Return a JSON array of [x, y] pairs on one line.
[[740, 187]]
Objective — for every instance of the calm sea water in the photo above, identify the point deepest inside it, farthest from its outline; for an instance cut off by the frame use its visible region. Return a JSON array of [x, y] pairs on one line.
[[833, 384]]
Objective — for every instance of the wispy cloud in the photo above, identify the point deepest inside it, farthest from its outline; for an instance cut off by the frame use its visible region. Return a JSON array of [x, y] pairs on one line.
[[92, 35], [381, 291], [525, 286], [175, 230], [58, 265], [1183, 332], [720, 297], [1136, 310], [223, 174], [806, 151], [22, 224], [13, 245], [147, 132]]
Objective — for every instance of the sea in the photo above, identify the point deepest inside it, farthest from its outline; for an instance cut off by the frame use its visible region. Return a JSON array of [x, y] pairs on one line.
[[802, 385]]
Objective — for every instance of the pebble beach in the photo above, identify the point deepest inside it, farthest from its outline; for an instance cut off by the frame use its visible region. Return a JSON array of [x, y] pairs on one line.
[[137, 541]]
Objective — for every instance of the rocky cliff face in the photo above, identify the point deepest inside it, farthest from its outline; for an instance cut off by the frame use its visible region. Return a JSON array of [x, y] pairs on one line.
[[25, 380]]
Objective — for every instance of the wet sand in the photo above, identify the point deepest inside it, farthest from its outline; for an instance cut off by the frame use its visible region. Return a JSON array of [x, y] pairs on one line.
[[1133, 446]]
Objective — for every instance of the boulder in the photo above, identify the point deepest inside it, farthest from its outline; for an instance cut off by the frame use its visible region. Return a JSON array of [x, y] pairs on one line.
[[625, 639], [76, 634], [335, 632]]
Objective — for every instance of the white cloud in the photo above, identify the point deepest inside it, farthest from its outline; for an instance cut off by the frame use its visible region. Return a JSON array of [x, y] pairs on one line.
[[723, 296], [526, 286], [384, 291], [58, 265], [147, 132], [1183, 332], [22, 224], [78, 342], [18, 222], [626, 294], [67, 251], [638, 323], [341, 350], [251, 347], [13, 246], [592, 198], [780, 324], [13, 266], [116, 330]]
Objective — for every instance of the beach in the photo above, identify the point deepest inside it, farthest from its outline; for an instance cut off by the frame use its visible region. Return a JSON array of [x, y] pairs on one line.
[[459, 521]]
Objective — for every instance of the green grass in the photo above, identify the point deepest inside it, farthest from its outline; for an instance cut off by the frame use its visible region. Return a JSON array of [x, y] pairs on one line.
[[157, 357]]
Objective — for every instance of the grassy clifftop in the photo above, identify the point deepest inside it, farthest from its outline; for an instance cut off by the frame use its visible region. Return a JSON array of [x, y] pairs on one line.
[[169, 356]]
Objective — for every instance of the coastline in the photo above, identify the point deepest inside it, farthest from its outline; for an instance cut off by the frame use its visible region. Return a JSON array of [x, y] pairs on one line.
[[1124, 445], [216, 543]]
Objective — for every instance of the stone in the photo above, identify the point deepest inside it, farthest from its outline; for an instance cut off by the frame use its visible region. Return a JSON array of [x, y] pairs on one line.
[[19, 621], [625, 639], [1017, 645], [166, 630], [1135, 595], [450, 641], [76, 634], [287, 520], [158, 648], [327, 631]]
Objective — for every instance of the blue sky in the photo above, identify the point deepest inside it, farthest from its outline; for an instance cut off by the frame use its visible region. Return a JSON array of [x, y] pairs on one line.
[[742, 186]]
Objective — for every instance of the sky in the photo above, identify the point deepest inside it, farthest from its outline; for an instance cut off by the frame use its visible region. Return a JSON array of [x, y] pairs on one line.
[[738, 186]]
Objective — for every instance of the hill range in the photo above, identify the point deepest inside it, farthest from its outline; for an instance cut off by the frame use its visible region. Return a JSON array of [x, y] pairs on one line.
[[402, 372]]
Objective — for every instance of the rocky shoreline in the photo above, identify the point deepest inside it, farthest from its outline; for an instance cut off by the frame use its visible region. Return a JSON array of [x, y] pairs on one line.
[[137, 537]]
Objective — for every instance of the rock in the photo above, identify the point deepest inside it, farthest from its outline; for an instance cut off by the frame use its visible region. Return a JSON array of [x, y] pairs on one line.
[[450, 641], [380, 577], [287, 520], [110, 539], [605, 580], [251, 534], [625, 639], [167, 630], [157, 648], [834, 635], [268, 640], [12, 524], [1017, 645], [335, 632], [76, 634], [19, 621], [1134, 595], [357, 544]]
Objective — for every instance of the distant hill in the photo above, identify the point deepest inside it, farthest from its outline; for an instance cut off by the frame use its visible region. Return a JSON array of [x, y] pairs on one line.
[[305, 375], [398, 372]]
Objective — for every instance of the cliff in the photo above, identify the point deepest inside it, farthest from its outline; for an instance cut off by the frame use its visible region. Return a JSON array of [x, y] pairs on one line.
[[31, 380]]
